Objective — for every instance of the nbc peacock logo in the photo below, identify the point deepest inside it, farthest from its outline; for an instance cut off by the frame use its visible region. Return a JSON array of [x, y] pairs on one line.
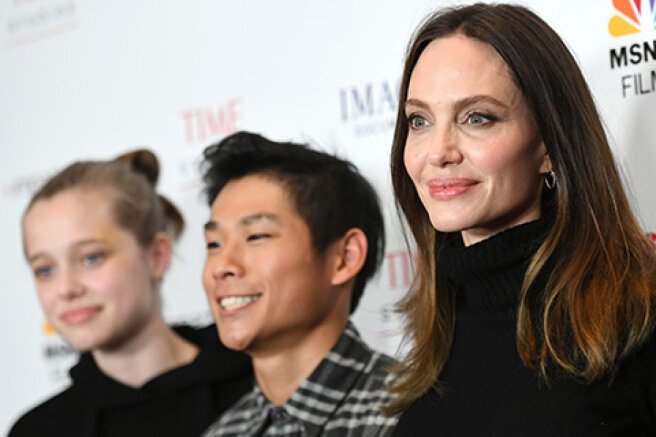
[[633, 16]]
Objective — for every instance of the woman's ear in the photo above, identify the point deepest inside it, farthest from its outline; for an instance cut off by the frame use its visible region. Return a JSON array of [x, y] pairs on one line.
[[351, 252], [546, 167], [160, 256]]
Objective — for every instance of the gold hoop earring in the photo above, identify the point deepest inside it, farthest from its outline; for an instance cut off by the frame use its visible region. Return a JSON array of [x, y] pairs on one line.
[[550, 180]]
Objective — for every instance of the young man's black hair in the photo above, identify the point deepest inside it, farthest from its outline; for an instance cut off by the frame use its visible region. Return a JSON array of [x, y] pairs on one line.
[[329, 193]]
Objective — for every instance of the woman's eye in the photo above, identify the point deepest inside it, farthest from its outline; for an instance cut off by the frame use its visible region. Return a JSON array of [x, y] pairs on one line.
[[416, 121], [478, 119], [213, 244]]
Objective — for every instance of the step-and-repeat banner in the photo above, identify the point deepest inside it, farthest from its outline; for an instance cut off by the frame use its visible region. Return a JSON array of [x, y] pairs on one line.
[[91, 79]]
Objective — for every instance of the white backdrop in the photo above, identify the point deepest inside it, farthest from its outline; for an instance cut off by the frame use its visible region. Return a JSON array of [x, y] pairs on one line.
[[91, 79]]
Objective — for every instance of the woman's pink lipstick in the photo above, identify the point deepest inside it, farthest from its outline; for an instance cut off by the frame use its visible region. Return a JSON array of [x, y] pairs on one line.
[[449, 188]]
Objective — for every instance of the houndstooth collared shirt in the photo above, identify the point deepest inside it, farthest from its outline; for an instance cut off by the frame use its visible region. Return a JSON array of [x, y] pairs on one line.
[[342, 397]]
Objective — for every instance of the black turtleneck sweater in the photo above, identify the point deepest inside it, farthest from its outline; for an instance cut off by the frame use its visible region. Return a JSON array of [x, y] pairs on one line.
[[487, 389]]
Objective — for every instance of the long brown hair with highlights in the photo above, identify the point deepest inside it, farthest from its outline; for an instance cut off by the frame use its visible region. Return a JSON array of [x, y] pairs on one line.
[[598, 303]]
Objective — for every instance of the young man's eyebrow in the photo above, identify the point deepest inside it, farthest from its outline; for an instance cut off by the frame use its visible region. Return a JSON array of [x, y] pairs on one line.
[[260, 216], [244, 221], [210, 225]]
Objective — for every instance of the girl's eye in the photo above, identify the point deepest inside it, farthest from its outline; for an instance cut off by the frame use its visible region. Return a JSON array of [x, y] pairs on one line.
[[255, 237], [213, 245], [92, 258], [478, 119], [43, 272], [416, 121]]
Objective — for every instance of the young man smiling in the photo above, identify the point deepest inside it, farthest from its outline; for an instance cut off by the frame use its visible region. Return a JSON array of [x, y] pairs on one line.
[[294, 236]]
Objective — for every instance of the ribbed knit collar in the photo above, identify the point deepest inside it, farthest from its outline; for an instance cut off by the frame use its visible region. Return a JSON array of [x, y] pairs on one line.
[[489, 274]]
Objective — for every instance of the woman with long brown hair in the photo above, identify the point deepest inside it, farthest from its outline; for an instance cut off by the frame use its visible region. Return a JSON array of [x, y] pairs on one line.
[[532, 309], [98, 240]]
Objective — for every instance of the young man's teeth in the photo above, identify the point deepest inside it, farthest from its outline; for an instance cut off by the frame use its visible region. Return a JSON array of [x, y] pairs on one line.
[[232, 302]]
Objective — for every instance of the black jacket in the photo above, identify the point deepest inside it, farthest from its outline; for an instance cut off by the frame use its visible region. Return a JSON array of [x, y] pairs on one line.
[[180, 402]]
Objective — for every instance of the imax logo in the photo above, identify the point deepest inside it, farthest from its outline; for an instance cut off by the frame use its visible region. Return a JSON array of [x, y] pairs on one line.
[[369, 100]]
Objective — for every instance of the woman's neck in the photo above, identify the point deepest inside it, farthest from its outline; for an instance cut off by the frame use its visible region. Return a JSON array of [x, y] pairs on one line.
[[489, 274]]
